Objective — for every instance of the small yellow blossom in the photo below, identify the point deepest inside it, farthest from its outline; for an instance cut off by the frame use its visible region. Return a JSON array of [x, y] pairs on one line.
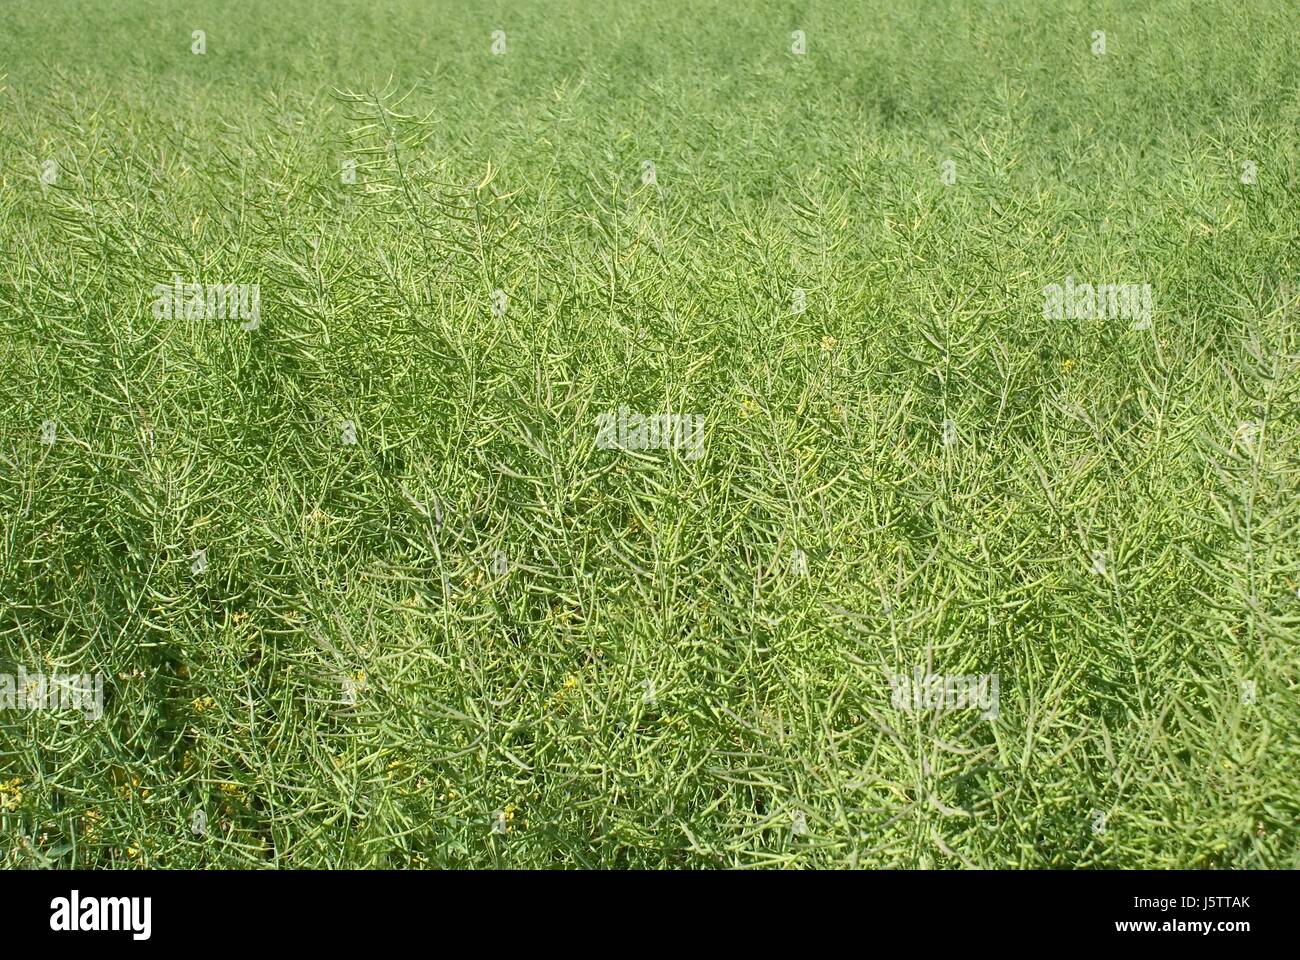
[[828, 344], [1067, 366], [504, 819], [233, 795], [11, 795], [399, 767], [127, 791]]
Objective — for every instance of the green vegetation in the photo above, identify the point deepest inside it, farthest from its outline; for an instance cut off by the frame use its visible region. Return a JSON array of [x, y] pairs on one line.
[[366, 592]]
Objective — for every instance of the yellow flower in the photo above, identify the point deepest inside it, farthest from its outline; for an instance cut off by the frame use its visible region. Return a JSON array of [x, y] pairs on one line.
[[748, 407], [233, 795], [1067, 366], [399, 767], [570, 684], [11, 795], [505, 817], [202, 704], [828, 344]]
